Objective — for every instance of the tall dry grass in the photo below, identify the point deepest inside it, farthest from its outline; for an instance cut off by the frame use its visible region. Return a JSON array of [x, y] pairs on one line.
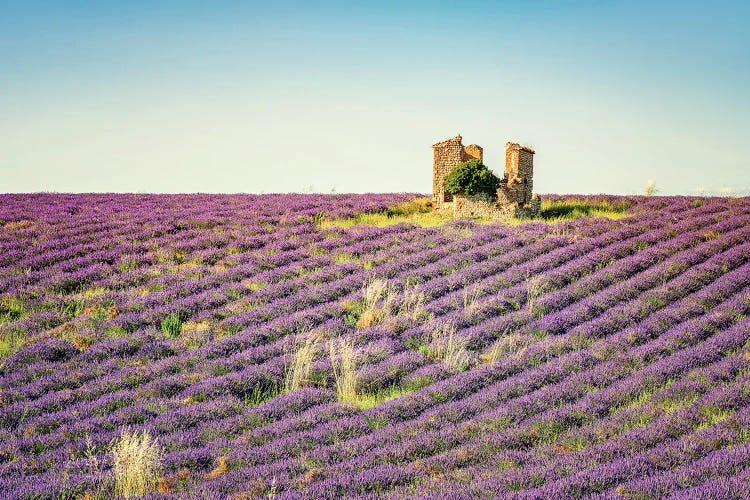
[[344, 366], [298, 371], [412, 305], [448, 347], [535, 287], [507, 345], [137, 463], [377, 299], [471, 298]]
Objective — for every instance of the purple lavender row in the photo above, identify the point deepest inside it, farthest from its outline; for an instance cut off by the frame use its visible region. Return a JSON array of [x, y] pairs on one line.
[[547, 387], [563, 274], [163, 298], [598, 403], [668, 451], [515, 437], [724, 463], [272, 310], [733, 487], [435, 390], [652, 271], [657, 322], [146, 234], [510, 471], [517, 274], [598, 439], [609, 322], [442, 390], [517, 320]]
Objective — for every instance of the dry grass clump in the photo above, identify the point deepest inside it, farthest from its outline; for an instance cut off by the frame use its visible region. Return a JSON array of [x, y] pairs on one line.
[[137, 463], [298, 371], [379, 306], [507, 345], [448, 347], [471, 298], [377, 298], [412, 305], [344, 366], [222, 467], [194, 334], [535, 287]]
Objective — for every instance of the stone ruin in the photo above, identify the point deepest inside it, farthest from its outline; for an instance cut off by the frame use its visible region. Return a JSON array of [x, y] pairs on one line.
[[514, 197]]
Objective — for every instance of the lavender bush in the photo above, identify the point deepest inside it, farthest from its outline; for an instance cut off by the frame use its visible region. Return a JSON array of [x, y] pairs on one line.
[[586, 358]]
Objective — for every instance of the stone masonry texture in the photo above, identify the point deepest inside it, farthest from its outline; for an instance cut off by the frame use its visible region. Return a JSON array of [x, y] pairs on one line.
[[514, 196], [446, 156]]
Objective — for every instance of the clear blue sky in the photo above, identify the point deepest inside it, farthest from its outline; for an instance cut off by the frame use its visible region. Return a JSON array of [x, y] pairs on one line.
[[304, 96]]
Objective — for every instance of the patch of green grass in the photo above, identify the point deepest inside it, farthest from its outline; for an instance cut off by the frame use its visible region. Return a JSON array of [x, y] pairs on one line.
[[644, 396], [254, 286], [343, 257], [114, 331], [376, 421], [419, 211], [379, 219], [714, 414], [7, 347], [572, 443], [127, 265], [67, 286], [11, 340], [171, 325], [261, 393], [73, 308], [546, 431], [235, 293], [677, 402], [575, 208], [11, 308], [417, 382], [366, 400]]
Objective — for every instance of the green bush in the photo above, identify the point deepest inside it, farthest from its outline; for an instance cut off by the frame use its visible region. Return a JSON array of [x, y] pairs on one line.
[[471, 178]]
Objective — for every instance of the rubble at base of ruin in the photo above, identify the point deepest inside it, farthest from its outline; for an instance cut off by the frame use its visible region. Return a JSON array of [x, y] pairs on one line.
[[514, 198]]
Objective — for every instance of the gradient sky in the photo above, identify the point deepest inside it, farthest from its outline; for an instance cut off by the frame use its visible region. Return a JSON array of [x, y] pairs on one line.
[[229, 96]]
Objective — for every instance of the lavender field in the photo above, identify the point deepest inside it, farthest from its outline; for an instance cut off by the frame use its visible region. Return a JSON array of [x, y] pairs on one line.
[[270, 355]]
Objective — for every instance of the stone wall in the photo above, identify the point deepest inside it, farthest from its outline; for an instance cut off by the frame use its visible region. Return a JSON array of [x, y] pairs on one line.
[[472, 152], [446, 156], [513, 193], [526, 171], [519, 173], [481, 206], [532, 210]]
